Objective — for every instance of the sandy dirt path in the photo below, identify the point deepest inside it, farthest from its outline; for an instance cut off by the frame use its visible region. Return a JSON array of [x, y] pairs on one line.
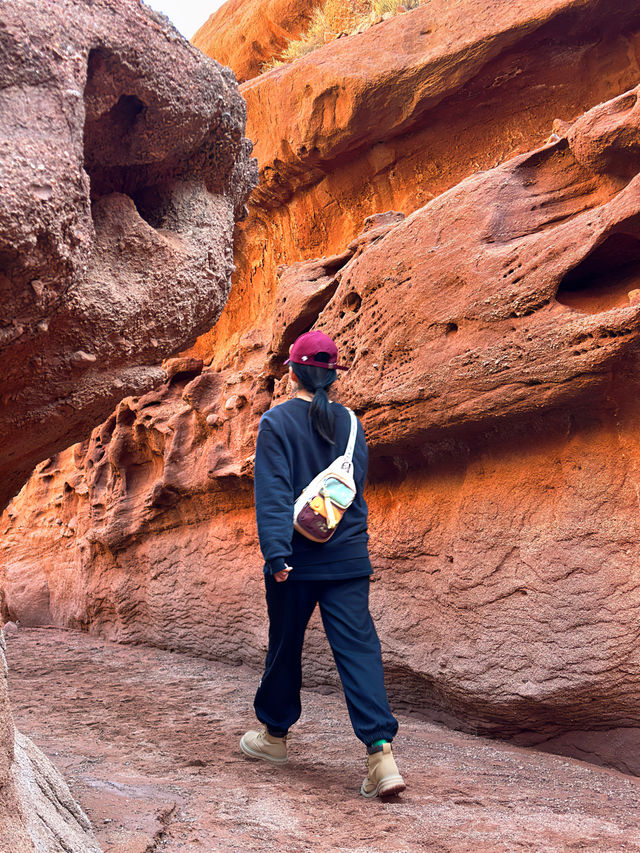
[[148, 741]]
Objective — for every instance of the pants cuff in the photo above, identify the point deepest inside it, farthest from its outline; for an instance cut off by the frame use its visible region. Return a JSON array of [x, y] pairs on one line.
[[276, 733], [371, 750]]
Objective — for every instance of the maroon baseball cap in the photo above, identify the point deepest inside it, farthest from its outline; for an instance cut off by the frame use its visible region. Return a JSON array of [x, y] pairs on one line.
[[309, 345]]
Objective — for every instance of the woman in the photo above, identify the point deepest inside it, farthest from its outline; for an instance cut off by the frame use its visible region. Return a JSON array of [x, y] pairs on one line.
[[297, 440]]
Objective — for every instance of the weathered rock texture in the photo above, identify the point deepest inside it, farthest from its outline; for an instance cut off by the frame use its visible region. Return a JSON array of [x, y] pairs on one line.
[[389, 119], [245, 34], [37, 811], [493, 337], [123, 169]]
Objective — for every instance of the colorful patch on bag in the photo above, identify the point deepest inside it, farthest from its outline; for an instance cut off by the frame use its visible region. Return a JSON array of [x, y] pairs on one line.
[[318, 505], [338, 492], [313, 524]]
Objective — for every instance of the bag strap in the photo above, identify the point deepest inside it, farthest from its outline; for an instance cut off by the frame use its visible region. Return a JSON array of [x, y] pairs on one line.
[[352, 436]]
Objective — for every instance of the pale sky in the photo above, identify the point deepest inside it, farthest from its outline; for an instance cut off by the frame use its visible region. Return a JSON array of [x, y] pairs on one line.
[[186, 15]]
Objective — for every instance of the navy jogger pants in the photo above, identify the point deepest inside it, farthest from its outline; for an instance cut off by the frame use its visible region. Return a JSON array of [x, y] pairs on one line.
[[344, 607]]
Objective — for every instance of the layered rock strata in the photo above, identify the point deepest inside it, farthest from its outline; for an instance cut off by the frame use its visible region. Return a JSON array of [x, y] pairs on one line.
[[120, 189], [391, 118], [493, 339]]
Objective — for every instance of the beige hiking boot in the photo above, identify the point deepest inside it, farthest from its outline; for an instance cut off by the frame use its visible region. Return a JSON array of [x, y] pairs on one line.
[[383, 778], [263, 745]]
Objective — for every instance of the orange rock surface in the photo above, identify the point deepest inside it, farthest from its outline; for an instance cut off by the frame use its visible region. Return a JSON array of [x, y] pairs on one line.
[[245, 34], [117, 209], [391, 118], [493, 337]]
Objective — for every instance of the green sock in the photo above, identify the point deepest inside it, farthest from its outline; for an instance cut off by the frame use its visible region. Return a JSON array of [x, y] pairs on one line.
[[380, 742]]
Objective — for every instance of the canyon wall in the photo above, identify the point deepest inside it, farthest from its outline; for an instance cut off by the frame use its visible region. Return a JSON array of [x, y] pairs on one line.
[[118, 203], [245, 35], [393, 117], [453, 195], [116, 180]]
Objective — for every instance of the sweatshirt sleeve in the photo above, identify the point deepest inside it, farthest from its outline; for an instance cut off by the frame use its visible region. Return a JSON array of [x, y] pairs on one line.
[[274, 499], [361, 476]]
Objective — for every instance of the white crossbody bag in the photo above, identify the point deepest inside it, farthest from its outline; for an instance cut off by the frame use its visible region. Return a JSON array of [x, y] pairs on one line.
[[321, 505]]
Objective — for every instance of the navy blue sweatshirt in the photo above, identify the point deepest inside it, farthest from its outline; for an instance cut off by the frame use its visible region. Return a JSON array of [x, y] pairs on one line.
[[289, 454]]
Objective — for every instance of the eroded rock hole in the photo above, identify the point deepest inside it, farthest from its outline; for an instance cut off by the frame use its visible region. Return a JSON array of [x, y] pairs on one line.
[[111, 129], [353, 301], [125, 416], [114, 138], [605, 278], [451, 328], [625, 103], [150, 203], [126, 112]]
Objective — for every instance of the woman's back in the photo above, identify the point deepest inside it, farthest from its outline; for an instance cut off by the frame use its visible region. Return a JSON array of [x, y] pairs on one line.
[[298, 440], [289, 454]]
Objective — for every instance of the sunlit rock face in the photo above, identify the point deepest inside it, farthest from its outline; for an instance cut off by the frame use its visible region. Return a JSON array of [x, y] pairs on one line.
[[247, 34], [391, 118], [492, 336], [123, 169]]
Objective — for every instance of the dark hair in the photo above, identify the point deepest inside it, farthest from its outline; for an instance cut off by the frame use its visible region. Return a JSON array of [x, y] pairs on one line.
[[317, 380]]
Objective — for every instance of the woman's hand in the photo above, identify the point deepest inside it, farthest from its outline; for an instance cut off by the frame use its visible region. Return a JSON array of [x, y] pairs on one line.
[[283, 574]]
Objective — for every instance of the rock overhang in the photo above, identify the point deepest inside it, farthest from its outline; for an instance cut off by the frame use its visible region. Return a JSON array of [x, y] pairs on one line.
[[517, 290], [344, 99], [124, 170]]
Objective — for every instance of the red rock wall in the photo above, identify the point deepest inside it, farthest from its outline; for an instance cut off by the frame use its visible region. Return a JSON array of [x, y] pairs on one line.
[[391, 118], [493, 336], [116, 191]]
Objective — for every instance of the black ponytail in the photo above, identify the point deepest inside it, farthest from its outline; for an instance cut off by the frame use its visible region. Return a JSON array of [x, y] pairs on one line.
[[317, 380]]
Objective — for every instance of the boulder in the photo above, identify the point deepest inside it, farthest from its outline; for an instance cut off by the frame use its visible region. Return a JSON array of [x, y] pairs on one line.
[[121, 186]]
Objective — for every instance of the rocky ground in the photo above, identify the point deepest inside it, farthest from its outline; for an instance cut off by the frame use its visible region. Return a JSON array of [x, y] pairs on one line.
[[148, 741]]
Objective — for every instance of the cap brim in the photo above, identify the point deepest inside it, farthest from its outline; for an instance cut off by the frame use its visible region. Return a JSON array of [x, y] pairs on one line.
[[311, 363]]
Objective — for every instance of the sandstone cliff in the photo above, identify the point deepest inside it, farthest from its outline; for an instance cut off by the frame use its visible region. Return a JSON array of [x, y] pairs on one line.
[[116, 216], [491, 319], [391, 118], [245, 35]]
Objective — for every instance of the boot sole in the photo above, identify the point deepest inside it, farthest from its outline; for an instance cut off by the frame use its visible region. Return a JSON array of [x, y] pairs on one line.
[[252, 753], [385, 787]]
